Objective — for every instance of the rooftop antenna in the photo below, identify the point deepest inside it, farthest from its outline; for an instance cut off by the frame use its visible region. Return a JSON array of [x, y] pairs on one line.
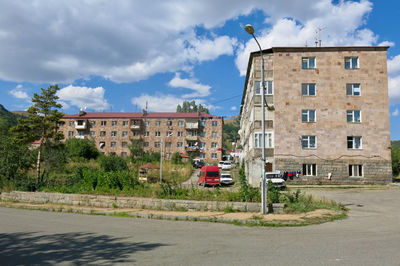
[[318, 40], [146, 105]]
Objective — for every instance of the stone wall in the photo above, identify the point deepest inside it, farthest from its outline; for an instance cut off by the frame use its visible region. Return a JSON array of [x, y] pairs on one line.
[[375, 172], [127, 202]]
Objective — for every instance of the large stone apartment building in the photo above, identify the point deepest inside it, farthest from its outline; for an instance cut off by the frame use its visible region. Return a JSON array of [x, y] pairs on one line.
[[330, 119], [197, 133]]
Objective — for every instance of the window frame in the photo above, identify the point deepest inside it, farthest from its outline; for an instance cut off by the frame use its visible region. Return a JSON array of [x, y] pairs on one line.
[[352, 86], [269, 87], [306, 87], [310, 169], [348, 62], [214, 123], [306, 59], [351, 114], [308, 138], [351, 141], [308, 116], [355, 168], [269, 141], [114, 123]]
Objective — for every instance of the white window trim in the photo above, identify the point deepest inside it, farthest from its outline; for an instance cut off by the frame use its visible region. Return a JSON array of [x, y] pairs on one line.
[[353, 116], [266, 82], [309, 142], [308, 89], [352, 89], [267, 146], [316, 169], [351, 62], [361, 143], [308, 62], [308, 115], [355, 166]]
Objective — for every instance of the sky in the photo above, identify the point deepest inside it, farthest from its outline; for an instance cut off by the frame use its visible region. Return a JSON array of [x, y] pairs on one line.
[[118, 56]]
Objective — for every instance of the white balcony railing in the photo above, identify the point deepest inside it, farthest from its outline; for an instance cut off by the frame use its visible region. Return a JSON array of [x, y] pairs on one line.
[[80, 125]]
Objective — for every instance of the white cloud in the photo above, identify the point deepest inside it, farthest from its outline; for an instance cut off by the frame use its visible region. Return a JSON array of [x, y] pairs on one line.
[[340, 25], [81, 97], [192, 84], [394, 79], [19, 94], [395, 112], [234, 108]]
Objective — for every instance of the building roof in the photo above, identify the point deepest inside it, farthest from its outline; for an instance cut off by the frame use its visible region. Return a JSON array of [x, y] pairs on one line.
[[95, 115], [305, 50]]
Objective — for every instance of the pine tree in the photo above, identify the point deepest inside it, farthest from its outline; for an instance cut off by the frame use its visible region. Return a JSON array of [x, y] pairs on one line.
[[41, 124]]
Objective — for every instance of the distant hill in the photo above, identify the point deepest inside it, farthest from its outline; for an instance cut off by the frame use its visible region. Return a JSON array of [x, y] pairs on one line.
[[8, 116], [396, 143]]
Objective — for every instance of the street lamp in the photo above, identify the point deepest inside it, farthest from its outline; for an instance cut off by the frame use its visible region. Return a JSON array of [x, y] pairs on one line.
[[161, 155], [250, 30]]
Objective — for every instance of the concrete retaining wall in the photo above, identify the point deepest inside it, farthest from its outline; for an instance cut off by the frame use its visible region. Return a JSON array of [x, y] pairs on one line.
[[129, 202]]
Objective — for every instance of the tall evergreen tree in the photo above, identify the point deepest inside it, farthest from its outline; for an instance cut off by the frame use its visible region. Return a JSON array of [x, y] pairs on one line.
[[42, 122], [191, 107]]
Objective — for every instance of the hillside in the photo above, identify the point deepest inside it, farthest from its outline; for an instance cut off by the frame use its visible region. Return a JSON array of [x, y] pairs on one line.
[[8, 116]]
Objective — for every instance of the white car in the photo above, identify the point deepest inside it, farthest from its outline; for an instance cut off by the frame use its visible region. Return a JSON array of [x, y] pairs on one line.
[[276, 180], [220, 164], [226, 179], [227, 166]]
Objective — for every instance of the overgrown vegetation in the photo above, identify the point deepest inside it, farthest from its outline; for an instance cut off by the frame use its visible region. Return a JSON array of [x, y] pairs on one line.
[[396, 158]]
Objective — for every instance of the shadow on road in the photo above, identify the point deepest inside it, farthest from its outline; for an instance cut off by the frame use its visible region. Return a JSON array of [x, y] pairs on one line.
[[75, 248]]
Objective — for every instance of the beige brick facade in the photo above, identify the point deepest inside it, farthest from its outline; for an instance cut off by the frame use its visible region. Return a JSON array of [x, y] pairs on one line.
[[200, 134], [326, 114]]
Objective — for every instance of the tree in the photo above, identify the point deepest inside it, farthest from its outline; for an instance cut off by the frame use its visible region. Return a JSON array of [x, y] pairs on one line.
[[41, 124], [136, 149], [81, 149], [191, 107], [176, 158]]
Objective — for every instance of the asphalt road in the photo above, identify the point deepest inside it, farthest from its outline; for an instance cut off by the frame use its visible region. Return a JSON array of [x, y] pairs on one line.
[[370, 236]]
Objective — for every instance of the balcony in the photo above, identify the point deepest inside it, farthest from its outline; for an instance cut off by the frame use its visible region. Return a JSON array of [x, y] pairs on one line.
[[136, 124], [80, 124], [80, 137], [192, 148], [192, 124], [192, 138]]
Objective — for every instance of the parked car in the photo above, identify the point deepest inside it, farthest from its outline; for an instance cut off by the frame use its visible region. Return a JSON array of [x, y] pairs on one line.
[[198, 164], [220, 164], [226, 179], [209, 175], [226, 166], [276, 179]]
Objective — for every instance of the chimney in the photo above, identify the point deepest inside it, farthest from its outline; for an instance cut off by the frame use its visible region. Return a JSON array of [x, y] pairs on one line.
[[81, 113]]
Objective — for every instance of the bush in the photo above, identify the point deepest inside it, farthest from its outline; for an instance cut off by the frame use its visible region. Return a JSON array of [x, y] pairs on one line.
[[112, 163], [247, 193], [176, 158], [81, 149], [273, 193]]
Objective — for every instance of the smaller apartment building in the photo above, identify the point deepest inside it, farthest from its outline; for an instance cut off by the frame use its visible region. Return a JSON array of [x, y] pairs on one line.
[[331, 114], [197, 133]]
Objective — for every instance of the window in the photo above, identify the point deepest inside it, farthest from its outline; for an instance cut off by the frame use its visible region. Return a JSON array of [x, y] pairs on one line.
[[145, 144], [353, 89], [169, 133], [169, 123], [180, 134], [136, 134], [92, 123], [214, 145], [113, 144], [158, 123], [351, 62], [158, 133], [102, 133], [308, 142], [168, 155], [202, 134], [102, 144], [354, 142], [168, 144], [124, 144], [179, 144], [92, 133], [124, 154], [157, 144], [114, 123], [70, 133], [125, 123], [308, 63], [308, 115], [202, 145], [203, 123], [214, 123], [202, 156], [355, 170], [81, 133], [147, 134], [147, 123], [71, 123], [214, 134], [192, 133], [268, 87], [214, 155], [310, 169], [180, 123], [103, 123], [308, 89], [353, 116], [113, 133], [124, 134], [269, 140]]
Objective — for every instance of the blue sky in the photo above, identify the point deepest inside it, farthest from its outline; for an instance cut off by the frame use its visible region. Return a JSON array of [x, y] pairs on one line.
[[118, 55]]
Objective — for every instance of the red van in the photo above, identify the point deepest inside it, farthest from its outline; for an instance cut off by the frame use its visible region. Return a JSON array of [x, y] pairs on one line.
[[209, 175]]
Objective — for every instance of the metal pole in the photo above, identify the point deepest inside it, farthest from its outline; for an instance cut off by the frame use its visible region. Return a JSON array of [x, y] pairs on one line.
[[263, 181], [161, 152]]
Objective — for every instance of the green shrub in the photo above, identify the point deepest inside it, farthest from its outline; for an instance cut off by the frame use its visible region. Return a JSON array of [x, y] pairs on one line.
[[81, 149], [112, 163], [273, 193]]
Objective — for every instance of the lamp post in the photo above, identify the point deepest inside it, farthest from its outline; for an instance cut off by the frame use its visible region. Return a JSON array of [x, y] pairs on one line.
[[250, 30], [161, 155]]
